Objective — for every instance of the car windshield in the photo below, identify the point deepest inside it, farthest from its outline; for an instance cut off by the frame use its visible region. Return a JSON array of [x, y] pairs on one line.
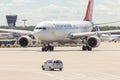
[[50, 61], [58, 61]]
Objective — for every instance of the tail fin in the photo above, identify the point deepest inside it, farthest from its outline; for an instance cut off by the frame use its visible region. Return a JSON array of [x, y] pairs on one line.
[[89, 12]]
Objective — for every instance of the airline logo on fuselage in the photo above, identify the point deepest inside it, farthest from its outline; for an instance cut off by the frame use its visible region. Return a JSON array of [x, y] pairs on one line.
[[61, 26]]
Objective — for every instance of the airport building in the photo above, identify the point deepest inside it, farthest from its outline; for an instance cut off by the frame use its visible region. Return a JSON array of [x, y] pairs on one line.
[[11, 20], [9, 38]]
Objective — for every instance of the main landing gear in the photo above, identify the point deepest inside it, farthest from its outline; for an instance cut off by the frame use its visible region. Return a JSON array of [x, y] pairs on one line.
[[47, 47], [86, 48]]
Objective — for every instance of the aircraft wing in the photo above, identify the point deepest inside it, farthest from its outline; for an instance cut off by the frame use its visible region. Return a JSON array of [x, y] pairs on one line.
[[17, 31], [75, 35]]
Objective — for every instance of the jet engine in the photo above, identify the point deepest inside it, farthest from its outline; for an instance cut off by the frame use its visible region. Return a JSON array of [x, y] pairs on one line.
[[93, 41], [25, 41]]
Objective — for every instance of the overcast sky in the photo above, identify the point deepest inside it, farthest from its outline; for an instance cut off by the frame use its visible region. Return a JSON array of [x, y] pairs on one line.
[[36, 11]]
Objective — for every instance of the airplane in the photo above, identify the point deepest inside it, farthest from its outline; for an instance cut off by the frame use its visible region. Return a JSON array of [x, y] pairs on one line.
[[62, 32], [109, 37]]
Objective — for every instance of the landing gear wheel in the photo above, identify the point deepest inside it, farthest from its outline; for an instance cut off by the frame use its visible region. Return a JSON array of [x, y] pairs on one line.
[[44, 49], [84, 48], [48, 48], [89, 48], [51, 48]]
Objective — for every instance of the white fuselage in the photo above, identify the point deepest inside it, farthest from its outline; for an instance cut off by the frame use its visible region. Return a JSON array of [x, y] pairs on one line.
[[51, 31]]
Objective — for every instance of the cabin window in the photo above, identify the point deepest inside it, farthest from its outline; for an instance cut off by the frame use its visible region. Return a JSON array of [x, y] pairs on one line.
[[44, 28]]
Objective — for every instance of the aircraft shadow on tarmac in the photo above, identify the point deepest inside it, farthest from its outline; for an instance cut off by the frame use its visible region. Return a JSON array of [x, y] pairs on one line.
[[52, 70], [38, 50], [79, 51]]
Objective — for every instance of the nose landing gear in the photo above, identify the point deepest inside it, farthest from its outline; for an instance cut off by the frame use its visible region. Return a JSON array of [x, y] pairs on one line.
[[47, 47]]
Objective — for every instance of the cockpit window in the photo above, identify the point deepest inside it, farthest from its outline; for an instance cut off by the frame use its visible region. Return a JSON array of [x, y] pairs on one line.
[[43, 28], [36, 27]]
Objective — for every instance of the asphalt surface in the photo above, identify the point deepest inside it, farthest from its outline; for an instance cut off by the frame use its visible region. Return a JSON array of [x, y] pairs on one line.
[[103, 63]]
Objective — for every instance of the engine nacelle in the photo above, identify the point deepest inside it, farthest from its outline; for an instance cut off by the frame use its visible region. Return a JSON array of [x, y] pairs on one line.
[[25, 41], [93, 41]]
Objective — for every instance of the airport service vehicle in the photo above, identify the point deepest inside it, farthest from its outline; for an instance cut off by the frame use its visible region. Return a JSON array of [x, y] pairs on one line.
[[6, 38], [7, 42], [63, 32], [52, 65]]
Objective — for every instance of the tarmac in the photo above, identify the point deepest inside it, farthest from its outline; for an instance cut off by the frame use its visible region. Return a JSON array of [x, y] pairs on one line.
[[103, 63]]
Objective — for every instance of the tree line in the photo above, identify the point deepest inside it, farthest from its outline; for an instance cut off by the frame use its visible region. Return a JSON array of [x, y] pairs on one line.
[[104, 28], [31, 28]]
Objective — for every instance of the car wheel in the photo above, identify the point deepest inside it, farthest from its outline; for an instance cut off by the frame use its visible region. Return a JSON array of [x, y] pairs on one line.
[[60, 69], [43, 68]]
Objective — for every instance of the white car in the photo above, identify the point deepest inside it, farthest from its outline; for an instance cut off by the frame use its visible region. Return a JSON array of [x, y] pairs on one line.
[[52, 65]]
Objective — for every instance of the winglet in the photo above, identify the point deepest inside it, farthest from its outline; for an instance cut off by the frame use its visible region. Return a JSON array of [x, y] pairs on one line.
[[89, 12]]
